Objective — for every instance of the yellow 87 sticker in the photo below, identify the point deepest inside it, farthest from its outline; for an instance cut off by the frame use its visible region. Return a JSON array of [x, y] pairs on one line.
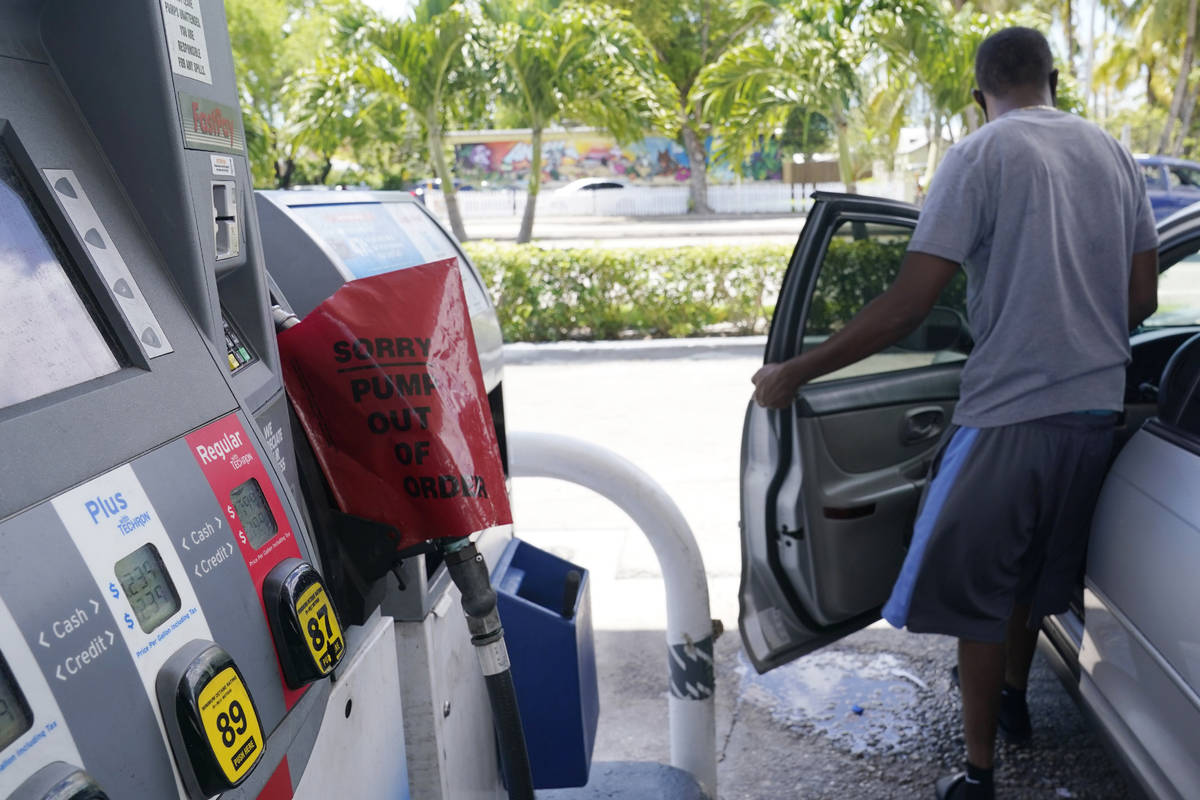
[[230, 724], [322, 633]]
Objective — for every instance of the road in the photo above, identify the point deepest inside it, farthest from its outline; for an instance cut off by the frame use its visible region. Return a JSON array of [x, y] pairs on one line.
[[644, 231], [792, 733]]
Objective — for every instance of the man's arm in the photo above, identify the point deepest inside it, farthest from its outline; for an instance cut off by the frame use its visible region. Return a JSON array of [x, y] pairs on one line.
[[1143, 287], [884, 321]]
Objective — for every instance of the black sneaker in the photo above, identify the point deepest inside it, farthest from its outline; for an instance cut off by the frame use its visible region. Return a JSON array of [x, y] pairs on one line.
[[1012, 719], [957, 787]]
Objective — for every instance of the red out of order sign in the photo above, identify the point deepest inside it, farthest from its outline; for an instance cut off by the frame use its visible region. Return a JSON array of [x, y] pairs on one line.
[[386, 381]]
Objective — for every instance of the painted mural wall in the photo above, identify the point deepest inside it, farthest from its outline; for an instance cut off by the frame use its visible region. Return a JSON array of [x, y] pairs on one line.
[[654, 160]]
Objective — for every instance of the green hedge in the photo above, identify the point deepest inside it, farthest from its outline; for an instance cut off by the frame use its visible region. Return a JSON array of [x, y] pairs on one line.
[[545, 294], [855, 272]]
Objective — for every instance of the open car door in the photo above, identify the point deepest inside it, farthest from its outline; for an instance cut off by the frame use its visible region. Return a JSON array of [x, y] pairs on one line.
[[830, 486]]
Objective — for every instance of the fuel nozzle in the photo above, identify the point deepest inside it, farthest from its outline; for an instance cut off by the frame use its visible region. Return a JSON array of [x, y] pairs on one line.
[[469, 572], [283, 318]]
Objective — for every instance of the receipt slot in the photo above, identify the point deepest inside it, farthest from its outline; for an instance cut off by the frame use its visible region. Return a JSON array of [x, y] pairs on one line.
[[211, 719], [307, 633]]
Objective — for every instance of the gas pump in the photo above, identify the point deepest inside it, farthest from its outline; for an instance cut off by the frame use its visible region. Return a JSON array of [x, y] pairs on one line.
[[324, 248], [165, 627], [316, 243]]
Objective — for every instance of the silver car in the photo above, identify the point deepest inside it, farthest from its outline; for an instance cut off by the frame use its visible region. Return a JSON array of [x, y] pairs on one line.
[[829, 489]]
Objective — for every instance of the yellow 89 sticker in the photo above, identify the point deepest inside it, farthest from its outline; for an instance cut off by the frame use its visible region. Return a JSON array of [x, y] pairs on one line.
[[321, 631], [230, 724]]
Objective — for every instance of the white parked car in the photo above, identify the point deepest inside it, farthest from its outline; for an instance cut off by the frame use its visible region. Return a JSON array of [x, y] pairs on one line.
[[591, 185]]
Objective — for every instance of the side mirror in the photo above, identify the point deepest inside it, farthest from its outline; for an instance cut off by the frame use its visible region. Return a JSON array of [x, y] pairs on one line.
[[943, 329]]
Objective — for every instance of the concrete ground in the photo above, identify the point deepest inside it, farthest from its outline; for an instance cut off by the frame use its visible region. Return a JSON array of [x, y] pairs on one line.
[[873, 716]]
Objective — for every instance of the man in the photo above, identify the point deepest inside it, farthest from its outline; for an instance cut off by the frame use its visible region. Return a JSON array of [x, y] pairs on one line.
[[1049, 217]]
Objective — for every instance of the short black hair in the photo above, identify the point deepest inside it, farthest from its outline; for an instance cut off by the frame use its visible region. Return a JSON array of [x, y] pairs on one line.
[[1014, 58]]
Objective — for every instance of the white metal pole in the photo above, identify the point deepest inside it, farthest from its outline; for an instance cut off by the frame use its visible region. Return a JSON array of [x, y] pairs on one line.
[[691, 704]]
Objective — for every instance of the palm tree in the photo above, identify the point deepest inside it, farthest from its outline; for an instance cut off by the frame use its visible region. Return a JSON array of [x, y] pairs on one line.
[[934, 42], [272, 41], [1182, 101], [810, 59], [556, 62], [1159, 45], [331, 109], [422, 62], [687, 36]]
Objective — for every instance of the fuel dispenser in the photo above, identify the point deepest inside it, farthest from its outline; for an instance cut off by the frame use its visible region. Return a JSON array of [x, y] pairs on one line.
[[320, 244], [165, 628]]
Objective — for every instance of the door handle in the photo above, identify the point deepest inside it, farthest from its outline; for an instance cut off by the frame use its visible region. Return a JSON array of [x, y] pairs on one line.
[[921, 424]]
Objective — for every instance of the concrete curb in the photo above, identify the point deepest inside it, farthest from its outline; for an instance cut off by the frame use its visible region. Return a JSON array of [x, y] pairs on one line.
[[642, 349]]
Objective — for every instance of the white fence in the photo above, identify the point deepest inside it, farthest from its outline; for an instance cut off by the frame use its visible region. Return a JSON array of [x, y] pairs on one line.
[[648, 201]]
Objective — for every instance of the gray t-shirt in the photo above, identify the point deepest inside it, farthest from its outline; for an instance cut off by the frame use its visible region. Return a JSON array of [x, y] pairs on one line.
[[1044, 210]]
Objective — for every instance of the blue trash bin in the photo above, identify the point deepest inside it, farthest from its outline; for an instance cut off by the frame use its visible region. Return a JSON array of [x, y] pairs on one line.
[[546, 610]]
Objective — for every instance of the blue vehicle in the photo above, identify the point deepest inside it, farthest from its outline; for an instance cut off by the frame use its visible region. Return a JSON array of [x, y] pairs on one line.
[[1172, 183]]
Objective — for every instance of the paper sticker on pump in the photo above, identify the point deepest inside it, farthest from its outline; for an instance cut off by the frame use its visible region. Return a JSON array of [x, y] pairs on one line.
[[184, 27]]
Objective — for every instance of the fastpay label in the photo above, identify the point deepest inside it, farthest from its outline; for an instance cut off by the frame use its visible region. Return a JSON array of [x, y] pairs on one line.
[[230, 724], [321, 630]]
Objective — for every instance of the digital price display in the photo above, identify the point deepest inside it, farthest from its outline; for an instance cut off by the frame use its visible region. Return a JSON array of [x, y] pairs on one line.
[[255, 514], [148, 587], [15, 716]]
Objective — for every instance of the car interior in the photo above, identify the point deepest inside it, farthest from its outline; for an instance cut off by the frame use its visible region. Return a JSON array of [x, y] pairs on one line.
[[1153, 347]]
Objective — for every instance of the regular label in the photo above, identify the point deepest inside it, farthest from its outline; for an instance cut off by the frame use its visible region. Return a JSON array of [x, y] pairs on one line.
[[230, 724], [229, 460], [186, 47], [320, 626]]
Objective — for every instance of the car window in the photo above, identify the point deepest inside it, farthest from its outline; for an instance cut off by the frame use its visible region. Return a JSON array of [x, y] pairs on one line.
[[1178, 293], [1184, 178], [860, 262], [1154, 177]]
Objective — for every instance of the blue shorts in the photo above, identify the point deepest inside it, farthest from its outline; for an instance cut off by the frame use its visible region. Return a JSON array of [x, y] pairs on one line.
[[1004, 521]]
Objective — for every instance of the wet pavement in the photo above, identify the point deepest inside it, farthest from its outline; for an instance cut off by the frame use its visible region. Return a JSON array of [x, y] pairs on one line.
[[793, 733], [797, 731], [907, 734]]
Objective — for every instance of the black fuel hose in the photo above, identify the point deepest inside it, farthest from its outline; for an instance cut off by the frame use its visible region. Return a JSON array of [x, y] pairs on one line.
[[514, 758], [470, 575]]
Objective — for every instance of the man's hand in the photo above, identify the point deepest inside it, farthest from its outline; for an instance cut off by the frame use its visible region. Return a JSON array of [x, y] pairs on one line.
[[775, 385]]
